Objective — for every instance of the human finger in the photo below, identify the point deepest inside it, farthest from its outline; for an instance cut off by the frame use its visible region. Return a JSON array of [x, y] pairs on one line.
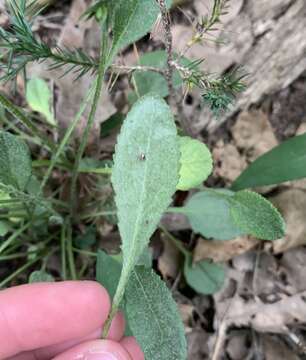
[[97, 350], [39, 315]]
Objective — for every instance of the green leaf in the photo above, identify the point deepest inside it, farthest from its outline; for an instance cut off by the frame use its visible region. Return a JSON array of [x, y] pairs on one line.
[[40, 276], [131, 20], [108, 272], [111, 124], [149, 81], [256, 216], [86, 240], [196, 163], [283, 163], [209, 214], [204, 277], [39, 98], [15, 161], [145, 174], [154, 318], [4, 227]]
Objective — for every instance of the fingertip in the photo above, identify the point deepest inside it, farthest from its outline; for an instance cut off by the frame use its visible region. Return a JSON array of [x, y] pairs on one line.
[[96, 350], [131, 346], [117, 328]]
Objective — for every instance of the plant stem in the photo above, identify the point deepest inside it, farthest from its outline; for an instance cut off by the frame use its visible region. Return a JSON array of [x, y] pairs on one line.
[[170, 65], [23, 268], [63, 253], [168, 44], [66, 139], [176, 242], [91, 118], [14, 236], [19, 115], [70, 254], [124, 278]]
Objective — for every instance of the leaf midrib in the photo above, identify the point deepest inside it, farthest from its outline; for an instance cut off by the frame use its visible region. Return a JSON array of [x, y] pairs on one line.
[[132, 258], [150, 307]]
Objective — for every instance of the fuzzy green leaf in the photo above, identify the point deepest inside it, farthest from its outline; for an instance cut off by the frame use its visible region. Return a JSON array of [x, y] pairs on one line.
[[196, 163], [131, 20], [209, 214], [204, 277], [39, 98], [283, 163], [154, 318], [4, 227], [15, 161], [145, 174], [108, 272], [256, 216], [149, 81], [40, 276]]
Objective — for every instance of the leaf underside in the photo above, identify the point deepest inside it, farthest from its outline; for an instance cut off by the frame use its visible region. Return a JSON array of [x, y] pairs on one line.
[[145, 173], [15, 161], [154, 318]]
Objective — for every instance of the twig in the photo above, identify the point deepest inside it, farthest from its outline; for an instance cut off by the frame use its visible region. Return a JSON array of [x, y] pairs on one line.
[[220, 341], [129, 69], [168, 44], [171, 65]]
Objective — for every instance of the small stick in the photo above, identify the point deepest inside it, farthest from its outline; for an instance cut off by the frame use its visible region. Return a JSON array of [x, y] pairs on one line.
[[171, 64]]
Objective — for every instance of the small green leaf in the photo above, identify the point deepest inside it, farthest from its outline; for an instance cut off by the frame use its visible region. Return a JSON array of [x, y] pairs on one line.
[[40, 276], [39, 98], [145, 174], [209, 214], [86, 240], [283, 163], [15, 161], [149, 81], [204, 277], [4, 227], [112, 123], [196, 163], [108, 272], [131, 20], [256, 216], [154, 318]]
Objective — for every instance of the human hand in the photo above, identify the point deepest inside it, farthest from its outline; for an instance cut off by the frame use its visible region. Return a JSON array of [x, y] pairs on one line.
[[61, 321]]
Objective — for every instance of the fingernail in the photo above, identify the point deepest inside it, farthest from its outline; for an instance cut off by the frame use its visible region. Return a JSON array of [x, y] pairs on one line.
[[100, 355]]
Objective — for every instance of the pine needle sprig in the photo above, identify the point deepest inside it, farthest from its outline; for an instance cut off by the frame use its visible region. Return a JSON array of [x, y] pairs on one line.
[[219, 92], [20, 47], [207, 23]]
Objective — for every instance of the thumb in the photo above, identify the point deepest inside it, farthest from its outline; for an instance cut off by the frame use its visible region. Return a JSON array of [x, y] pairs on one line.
[[96, 350]]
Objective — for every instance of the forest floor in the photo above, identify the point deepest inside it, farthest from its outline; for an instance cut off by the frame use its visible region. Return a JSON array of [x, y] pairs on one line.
[[261, 311]]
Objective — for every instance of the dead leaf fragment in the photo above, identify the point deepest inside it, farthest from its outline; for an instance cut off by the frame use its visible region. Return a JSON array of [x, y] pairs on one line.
[[169, 261], [253, 134], [292, 205], [229, 163], [222, 251]]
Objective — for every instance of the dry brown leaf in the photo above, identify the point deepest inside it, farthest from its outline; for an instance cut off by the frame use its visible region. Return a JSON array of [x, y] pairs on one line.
[[222, 251], [169, 261], [228, 162], [253, 134], [292, 205], [275, 349], [186, 312], [274, 318]]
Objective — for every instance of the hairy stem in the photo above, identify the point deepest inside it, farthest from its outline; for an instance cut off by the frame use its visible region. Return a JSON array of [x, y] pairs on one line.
[[91, 119], [65, 140], [168, 44], [124, 278], [170, 65]]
